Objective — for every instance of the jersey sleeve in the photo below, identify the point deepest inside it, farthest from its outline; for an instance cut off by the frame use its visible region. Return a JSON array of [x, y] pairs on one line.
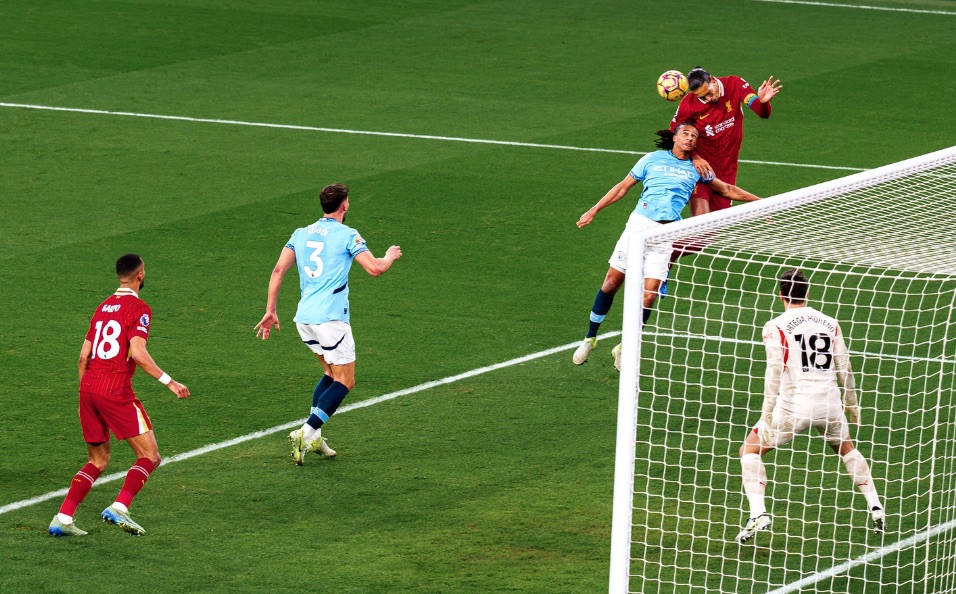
[[142, 317], [291, 243], [775, 344], [840, 353], [639, 171], [356, 244]]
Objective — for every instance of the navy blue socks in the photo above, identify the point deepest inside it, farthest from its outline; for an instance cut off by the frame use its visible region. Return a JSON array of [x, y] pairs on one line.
[[602, 305], [327, 403]]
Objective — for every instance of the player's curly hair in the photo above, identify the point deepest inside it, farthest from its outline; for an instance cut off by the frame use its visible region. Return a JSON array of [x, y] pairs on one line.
[[794, 286], [332, 197], [665, 138]]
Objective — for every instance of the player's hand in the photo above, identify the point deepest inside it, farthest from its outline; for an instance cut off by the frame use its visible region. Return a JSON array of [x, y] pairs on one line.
[[586, 218], [853, 414], [768, 89], [394, 252], [765, 430], [180, 390], [265, 326], [703, 167]]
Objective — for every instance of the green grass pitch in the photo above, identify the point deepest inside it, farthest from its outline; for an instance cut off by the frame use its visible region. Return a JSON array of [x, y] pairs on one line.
[[495, 483]]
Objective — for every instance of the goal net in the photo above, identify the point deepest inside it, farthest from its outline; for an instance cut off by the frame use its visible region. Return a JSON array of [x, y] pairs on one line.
[[879, 249]]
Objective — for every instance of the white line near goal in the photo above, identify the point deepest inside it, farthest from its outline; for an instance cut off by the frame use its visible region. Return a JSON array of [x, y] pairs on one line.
[[864, 559]]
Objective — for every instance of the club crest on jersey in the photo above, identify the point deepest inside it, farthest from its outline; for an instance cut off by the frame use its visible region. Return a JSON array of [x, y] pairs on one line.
[[730, 107], [144, 320]]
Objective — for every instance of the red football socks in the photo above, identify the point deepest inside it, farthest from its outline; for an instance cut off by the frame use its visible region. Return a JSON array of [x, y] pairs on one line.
[[135, 479], [79, 487]]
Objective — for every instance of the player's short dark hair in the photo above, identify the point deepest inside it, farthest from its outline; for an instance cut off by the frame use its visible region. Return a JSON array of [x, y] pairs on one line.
[[127, 264], [665, 138], [332, 197], [794, 286], [696, 78]]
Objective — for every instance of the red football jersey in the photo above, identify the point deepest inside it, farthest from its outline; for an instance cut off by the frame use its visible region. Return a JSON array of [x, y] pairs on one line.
[[116, 321], [720, 125]]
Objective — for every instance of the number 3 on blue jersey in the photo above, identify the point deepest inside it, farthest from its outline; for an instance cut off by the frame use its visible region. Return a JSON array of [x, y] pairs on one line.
[[318, 246]]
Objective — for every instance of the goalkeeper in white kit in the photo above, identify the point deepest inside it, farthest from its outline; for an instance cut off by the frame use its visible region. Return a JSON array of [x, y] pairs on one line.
[[806, 355]]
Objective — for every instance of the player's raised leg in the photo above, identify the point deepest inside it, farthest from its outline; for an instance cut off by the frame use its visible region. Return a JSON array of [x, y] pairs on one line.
[[602, 304]]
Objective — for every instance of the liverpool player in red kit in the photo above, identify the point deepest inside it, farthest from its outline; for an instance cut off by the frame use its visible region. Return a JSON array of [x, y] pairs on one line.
[[115, 345], [716, 106]]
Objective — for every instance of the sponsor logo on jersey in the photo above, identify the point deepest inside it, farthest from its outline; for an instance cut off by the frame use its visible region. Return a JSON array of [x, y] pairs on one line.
[[144, 320], [724, 125], [359, 240], [709, 130], [703, 116]]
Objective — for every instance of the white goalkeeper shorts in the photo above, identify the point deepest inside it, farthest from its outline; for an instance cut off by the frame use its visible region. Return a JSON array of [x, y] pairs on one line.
[[332, 341], [657, 256], [826, 417]]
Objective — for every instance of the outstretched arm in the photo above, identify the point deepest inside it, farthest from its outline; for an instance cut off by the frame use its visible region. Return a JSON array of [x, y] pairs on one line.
[[376, 266], [733, 192], [271, 318], [613, 195]]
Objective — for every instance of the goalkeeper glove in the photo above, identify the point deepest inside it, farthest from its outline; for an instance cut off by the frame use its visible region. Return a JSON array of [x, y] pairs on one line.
[[765, 430]]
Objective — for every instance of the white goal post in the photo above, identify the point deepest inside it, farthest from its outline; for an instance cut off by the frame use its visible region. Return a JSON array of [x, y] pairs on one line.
[[879, 249]]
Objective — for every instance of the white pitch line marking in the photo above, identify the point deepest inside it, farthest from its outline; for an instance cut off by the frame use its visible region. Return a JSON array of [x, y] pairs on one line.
[[860, 7], [293, 424], [562, 147], [867, 558]]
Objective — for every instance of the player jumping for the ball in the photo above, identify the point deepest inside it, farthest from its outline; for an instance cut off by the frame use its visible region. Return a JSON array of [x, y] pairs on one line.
[[668, 178], [806, 355]]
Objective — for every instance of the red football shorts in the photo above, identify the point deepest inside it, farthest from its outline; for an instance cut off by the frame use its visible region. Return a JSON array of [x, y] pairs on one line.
[[716, 201], [99, 415]]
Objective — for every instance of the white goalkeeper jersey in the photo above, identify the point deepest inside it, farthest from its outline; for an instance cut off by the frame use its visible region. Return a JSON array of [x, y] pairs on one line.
[[805, 354]]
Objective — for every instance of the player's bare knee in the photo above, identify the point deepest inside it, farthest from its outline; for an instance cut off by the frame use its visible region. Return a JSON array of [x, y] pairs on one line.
[[100, 462]]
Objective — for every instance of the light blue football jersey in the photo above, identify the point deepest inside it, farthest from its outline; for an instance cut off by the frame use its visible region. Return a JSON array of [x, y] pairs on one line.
[[323, 254], [668, 183]]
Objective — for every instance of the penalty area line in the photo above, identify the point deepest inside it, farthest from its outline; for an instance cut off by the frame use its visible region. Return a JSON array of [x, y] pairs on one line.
[[130, 114], [294, 424]]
